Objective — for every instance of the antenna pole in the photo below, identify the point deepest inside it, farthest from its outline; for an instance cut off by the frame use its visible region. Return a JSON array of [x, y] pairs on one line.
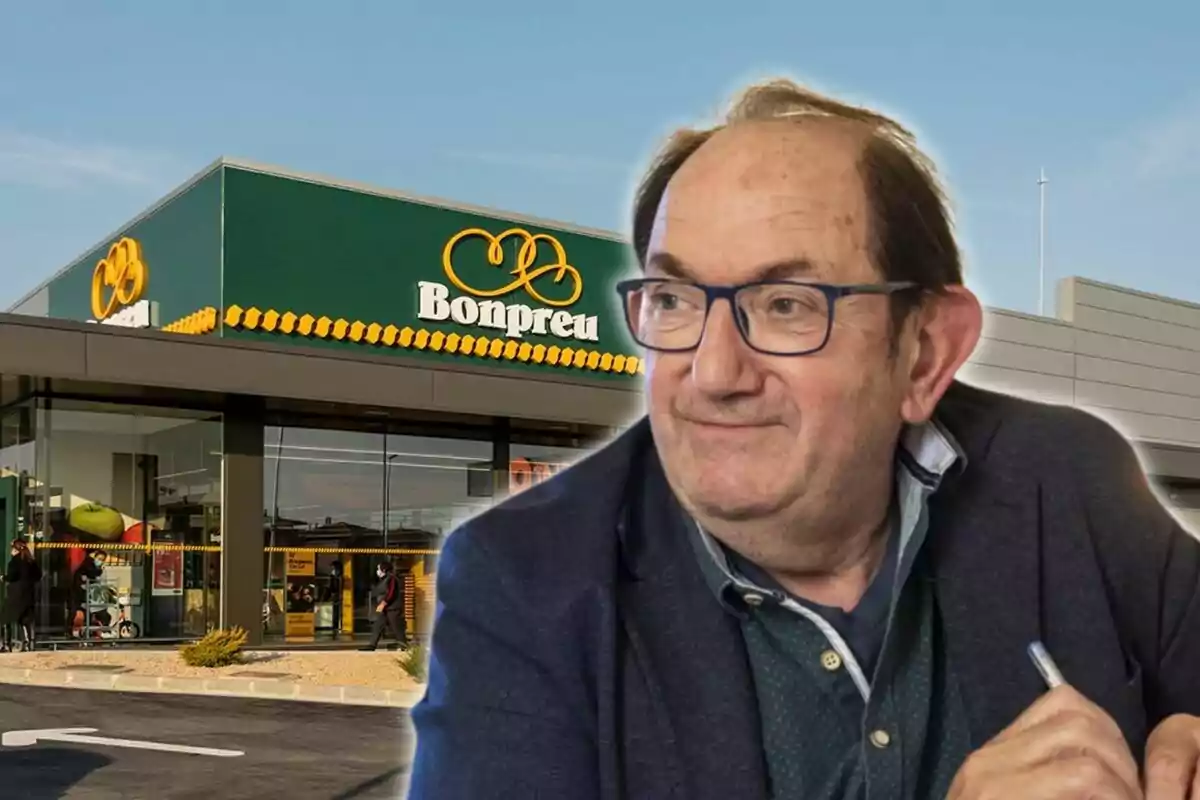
[[1042, 181]]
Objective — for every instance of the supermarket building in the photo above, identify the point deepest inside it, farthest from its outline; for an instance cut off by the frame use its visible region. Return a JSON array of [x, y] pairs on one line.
[[268, 377]]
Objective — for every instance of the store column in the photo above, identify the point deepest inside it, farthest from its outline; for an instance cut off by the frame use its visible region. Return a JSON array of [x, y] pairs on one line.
[[501, 456], [242, 519]]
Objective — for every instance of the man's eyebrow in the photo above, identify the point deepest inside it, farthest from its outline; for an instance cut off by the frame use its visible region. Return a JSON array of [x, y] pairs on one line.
[[669, 265], [787, 269], [673, 267]]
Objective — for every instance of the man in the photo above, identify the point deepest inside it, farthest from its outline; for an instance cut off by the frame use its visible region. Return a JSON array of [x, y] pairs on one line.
[[389, 607], [815, 570], [334, 595]]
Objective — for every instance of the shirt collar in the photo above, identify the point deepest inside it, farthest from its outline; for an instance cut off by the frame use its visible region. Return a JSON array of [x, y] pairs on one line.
[[927, 453], [930, 452]]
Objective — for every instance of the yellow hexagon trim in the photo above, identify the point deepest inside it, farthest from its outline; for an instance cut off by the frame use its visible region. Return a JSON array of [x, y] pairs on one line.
[[374, 333], [197, 323]]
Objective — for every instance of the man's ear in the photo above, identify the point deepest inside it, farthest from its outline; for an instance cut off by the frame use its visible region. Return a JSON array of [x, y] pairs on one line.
[[948, 326]]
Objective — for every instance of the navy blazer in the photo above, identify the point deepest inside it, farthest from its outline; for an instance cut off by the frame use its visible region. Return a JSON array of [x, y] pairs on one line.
[[577, 656]]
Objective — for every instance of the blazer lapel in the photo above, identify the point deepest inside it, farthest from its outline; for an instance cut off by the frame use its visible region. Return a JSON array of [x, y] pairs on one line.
[[985, 535], [689, 654]]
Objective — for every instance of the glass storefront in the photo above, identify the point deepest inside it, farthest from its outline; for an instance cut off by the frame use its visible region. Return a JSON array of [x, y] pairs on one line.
[[144, 484], [1183, 494], [338, 502], [18, 463], [141, 484], [533, 463]]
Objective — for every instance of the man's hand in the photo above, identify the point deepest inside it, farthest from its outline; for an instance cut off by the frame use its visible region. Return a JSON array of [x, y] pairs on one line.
[[379, 608], [1173, 759], [1064, 746]]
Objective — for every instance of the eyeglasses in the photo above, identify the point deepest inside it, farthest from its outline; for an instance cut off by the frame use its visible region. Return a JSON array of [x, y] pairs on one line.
[[780, 318]]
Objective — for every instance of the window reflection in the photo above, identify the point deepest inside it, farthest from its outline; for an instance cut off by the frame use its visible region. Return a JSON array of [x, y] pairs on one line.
[[1183, 495], [353, 499], [141, 484], [530, 464]]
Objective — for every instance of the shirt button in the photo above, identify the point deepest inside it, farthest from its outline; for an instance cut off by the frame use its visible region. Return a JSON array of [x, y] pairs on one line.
[[880, 738], [831, 661], [753, 599]]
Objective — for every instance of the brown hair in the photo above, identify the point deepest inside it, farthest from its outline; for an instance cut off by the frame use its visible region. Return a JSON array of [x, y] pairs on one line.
[[911, 226]]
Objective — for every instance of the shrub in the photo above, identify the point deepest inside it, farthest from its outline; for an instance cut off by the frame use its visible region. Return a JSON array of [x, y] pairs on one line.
[[219, 648], [415, 662]]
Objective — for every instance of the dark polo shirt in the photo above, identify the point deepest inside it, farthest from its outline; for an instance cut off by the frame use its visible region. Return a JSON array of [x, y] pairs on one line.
[[859, 703]]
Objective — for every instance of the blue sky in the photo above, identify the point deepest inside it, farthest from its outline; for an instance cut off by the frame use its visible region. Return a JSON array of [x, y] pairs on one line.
[[550, 108]]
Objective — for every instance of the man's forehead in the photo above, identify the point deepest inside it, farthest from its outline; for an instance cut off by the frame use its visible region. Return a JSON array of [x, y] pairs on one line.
[[772, 152], [736, 241], [658, 230], [765, 173], [761, 195]]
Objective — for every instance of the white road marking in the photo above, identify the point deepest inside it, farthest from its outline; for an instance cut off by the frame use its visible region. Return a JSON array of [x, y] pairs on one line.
[[80, 736]]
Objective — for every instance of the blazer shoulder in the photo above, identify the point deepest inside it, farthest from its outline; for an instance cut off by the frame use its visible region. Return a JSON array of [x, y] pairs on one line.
[[1070, 437], [1038, 432], [561, 529], [1072, 450]]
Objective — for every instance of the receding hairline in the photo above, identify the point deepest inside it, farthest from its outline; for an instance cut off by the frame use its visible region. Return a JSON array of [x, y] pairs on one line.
[[839, 138], [878, 143]]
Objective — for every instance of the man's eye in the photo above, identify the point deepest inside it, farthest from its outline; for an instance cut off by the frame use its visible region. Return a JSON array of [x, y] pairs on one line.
[[789, 304], [665, 301]]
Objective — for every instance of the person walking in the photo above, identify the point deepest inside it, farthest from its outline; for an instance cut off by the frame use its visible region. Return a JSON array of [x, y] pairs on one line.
[[336, 582], [389, 607], [20, 584]]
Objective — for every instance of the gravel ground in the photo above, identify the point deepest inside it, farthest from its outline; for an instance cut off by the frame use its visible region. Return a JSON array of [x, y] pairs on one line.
[[380, 669]]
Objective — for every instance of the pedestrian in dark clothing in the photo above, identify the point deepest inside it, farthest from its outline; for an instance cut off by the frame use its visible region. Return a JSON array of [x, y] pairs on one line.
[[336, 581], [389, 607], [89, 572], [21, 579]]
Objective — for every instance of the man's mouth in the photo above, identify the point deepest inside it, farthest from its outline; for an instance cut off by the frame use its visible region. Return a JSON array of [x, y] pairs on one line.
[[730, 424]]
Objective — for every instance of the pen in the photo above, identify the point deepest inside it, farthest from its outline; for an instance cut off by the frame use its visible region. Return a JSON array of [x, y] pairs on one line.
[[1045, 665]]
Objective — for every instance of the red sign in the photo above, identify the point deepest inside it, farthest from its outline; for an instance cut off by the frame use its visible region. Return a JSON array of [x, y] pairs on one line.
[[523, 473], [168, 572]]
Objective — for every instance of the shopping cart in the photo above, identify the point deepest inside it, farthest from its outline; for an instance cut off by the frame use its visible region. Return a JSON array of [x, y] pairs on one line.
[[105, 598]]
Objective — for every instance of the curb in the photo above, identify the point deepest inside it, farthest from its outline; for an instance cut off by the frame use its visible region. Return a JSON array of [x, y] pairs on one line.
[[253, 688]]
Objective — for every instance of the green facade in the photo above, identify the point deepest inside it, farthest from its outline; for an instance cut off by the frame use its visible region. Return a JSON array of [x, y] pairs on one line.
[[314, 249], [307, 264], [181, 248]]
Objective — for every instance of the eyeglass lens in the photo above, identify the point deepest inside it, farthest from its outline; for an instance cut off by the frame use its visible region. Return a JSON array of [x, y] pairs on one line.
[[775, 317]]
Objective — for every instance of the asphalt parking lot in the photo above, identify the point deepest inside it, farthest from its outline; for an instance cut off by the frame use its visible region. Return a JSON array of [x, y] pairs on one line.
[[174, 747]]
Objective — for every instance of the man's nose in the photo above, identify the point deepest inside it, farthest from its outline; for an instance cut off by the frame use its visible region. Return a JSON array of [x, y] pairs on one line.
[[723, 364]]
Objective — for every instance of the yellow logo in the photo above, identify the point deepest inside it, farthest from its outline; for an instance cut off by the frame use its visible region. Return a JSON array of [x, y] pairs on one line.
[[524, 276], [124, 273]]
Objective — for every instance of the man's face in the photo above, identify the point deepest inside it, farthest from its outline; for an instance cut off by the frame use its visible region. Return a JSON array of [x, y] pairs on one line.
[[744, 435]]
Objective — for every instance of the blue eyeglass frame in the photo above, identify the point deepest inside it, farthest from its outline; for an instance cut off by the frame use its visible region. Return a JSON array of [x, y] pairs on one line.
[[712, 293]]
